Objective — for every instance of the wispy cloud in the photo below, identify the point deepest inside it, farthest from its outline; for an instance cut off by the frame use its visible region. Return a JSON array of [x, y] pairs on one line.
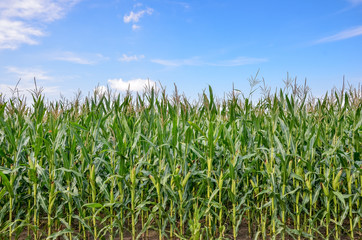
[[20, 20], [138, 84], [183, 4], [126, 58], [25, 89], [26, 83], [196, 61], [179, 62], [136, 5], [90, 59], [349, 33], [352, 4], [135, 27], [134, 17], [355, 2], [28, 74], [239, 61]]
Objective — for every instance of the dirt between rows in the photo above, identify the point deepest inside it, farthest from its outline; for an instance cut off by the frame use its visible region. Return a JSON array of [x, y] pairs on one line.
[[243, 234]]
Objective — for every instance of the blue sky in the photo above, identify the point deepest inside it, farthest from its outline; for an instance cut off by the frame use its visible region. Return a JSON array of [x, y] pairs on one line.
[[80, 44]]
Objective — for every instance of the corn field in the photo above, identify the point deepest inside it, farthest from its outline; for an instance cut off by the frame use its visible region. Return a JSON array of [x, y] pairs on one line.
[[152, 166]]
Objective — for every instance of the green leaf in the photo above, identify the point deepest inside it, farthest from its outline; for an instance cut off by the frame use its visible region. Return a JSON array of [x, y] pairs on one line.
[[340, 197], [7, 184], [76, 125], [59, 233], [93, 205], [3, 192], [62, 169], [194, 125]]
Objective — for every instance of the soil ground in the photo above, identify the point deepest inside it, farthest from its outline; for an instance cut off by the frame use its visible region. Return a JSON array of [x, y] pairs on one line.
[[242, 235]]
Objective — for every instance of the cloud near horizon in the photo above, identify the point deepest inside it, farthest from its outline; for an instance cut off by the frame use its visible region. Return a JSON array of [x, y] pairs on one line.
[[25, 82], [27, 74], [196, 61], [134, 85], [20, 20]]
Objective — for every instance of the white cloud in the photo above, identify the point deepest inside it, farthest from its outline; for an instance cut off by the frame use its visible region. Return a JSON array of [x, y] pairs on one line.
[[15, 33], [197, 62], [43, 10], [126, 58], [90, 59], [20, 20], [133, 85], [135, 26], [136, 16], [349, 33]]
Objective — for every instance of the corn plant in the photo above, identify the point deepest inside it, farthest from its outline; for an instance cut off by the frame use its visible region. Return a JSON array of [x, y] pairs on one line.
[[147, 165]]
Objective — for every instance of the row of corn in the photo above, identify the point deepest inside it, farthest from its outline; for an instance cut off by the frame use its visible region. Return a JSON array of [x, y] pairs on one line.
[[153, 166]]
